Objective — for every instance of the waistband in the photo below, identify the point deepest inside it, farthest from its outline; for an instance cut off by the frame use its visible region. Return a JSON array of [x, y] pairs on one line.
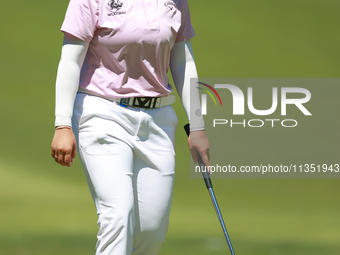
[[137, 102]]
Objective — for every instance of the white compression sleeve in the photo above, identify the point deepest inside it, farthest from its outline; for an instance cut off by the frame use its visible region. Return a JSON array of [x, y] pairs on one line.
[[72, 58], [182, 65]]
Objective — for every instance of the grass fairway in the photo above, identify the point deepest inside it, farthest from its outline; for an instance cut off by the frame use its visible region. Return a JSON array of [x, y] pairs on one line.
[[47, 209]]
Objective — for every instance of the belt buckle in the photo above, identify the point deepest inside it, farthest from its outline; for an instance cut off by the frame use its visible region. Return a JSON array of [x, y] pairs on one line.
[[124, 102], [146, 102]]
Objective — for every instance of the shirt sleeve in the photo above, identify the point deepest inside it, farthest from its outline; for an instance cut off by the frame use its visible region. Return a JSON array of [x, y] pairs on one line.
[[81, 19], [186, 31]]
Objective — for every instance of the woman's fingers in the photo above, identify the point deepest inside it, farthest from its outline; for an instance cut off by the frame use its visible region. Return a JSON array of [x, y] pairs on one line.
[[64, 158], [55, 158], [194, 155], [205, 157], [67, 159]]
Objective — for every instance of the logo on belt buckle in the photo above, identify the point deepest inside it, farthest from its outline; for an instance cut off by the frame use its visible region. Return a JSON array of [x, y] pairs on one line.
[[124, 102]]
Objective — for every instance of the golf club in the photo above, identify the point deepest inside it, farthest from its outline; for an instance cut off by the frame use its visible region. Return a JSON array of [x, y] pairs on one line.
[[208, 184]]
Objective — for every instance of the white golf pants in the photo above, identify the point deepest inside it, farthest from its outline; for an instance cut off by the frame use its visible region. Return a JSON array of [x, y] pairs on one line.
[[129, 162]]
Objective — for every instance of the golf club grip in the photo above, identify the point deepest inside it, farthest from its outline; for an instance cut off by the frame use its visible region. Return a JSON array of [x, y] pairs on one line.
[[205, 174]]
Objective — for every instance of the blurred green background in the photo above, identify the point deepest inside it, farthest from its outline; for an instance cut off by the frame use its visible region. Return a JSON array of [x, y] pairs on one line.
[[47, 209]]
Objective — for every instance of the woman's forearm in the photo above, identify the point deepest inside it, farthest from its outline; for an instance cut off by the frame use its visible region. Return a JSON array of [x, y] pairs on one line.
[[183, 68], [72, 58]]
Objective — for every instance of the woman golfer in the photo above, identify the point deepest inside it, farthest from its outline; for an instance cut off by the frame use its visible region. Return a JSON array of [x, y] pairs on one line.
[[113, 102]]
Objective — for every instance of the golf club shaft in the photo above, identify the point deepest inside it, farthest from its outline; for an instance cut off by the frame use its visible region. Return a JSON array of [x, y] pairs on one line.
[[217, 209], [219, 215], [208, 184]]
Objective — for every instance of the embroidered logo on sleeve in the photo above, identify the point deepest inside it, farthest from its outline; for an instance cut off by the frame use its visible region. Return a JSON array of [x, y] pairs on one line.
[[115, 6], [170, 4]]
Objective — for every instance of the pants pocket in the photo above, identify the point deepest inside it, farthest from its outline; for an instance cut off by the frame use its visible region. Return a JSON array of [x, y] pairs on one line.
[[97, 143]]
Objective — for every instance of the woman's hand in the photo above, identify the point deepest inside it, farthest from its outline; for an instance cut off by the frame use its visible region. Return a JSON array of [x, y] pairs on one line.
[[198, 142], [63, 147]]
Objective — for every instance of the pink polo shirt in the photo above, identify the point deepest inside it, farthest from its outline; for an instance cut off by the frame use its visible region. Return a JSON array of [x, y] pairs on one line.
[[129, 43]]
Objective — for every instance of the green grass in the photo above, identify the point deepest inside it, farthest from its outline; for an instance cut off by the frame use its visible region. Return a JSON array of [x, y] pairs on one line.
[[78, 244], [47, 209]]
